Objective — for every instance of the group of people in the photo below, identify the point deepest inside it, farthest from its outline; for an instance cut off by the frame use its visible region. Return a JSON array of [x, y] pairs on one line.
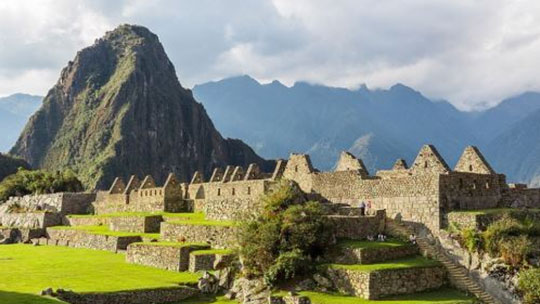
[[380, 238], [365, 208]]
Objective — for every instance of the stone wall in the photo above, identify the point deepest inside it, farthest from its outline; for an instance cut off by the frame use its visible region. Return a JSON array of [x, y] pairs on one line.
[[376, 284], [30, 220], [357, 227], [169, 257], [216, 236], [139, 296], [465, 220], [86, 221], [83, 239], [234, 200], [521, 198], [351, 256], [64, 203], [142, 224]]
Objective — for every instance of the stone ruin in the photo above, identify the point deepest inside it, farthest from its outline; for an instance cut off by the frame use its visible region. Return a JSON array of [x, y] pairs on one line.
[[422, 194]]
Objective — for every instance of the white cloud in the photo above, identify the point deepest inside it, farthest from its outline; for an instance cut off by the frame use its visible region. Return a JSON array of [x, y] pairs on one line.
[[469, 52]]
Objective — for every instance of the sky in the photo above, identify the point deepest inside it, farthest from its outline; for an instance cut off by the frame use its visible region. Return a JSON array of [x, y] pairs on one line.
[[472, 53]]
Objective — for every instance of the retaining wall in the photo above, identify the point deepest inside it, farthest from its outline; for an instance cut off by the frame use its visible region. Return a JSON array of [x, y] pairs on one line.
[[216, 236], [173, 257], [83, 239], [140, 296]]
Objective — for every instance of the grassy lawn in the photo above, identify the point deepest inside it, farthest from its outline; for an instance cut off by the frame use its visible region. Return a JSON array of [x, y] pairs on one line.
[[104, 230], [208, 300], [409, 262], [212, 251], [27, 269], [187, 216], [371, 244], [204, 222], [172, 244], [441, 296]]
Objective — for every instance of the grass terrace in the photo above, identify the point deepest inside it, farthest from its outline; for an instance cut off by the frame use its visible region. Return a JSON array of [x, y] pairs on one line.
[[392, 242], [180, 216], [440, 296], [409, 262], [212, 251], [104, 230], [27, 269], [203, 222], [171, 244]]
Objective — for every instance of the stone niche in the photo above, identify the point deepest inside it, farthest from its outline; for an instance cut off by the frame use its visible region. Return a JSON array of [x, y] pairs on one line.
[[377, 284], [173, 257], [140, 224]]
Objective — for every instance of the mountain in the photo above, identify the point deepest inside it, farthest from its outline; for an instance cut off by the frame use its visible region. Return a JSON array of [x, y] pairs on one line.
[[119, 109], [9, 165], [516, 151], [377, 125], [14, 112]]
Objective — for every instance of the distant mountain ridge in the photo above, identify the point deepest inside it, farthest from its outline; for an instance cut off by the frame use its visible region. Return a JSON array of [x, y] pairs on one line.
[[14, 112], [376, 125], [119, 109]]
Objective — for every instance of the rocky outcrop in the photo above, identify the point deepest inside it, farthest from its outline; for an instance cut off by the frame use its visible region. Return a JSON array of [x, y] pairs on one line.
[[119, 109], [9, 165]]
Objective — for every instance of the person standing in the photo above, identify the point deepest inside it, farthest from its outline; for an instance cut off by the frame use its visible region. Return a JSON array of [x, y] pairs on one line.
[[368, 208], [362, 208]]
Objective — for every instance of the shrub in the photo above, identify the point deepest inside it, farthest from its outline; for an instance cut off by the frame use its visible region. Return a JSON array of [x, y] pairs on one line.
[[471, 239], [514, 250], [495, 232], [529, 284], [38, 182], [283, 240], [287, 266]]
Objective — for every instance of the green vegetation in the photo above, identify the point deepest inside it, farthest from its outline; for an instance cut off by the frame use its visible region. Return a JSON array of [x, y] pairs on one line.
[[286, 238], [185, 216], [9, 165], [441, 296], [212, 251], [371, 244], [204, 223], [26, 270], [171, 244], [38, 182], [409, 262], [104, 230], [529, 284]]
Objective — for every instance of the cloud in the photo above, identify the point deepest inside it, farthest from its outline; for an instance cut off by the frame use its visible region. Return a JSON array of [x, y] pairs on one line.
[[472, 53]]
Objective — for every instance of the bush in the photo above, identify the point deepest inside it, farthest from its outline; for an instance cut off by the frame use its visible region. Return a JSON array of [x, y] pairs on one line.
[[495, 232], [514, 250], [284, 240], [529, 284], [471, 239], [287, 266], [38, 182]]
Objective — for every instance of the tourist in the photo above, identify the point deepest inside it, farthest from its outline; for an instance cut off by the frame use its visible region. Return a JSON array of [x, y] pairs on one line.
[[368, 208], [381, 237], [362, 208], [412, 239], [370, 238]]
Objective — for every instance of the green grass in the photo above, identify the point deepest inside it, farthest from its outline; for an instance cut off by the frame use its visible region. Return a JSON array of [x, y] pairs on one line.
[[104, 230], [204, 223], [441, 296], [187, 216], [493, 211], [371, 244], [212, 251], [409, 262], [171, 244], [27, 269]]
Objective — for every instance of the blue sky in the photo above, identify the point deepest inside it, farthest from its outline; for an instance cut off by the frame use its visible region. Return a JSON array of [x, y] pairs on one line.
[[472, 53]]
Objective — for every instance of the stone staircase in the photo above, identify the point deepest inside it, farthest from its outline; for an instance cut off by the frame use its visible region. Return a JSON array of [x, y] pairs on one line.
[[456, 273]]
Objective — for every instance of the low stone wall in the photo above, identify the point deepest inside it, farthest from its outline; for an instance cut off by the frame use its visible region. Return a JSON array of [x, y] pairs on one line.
[[358, 227], [19, 235], [199, 261], [140, 296], [83, 239], [467, 220], [64, 203], [85, 221], [376, 284], [216, 236], [31, 220], [144, 224], [351, 256], [169, 257]]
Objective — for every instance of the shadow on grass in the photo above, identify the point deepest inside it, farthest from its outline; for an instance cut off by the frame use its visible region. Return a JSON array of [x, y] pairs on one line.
[[207, 299], [25, 298]]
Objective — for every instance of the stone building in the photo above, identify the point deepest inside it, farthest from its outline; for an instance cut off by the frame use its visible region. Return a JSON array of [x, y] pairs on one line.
[[423, 193]]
